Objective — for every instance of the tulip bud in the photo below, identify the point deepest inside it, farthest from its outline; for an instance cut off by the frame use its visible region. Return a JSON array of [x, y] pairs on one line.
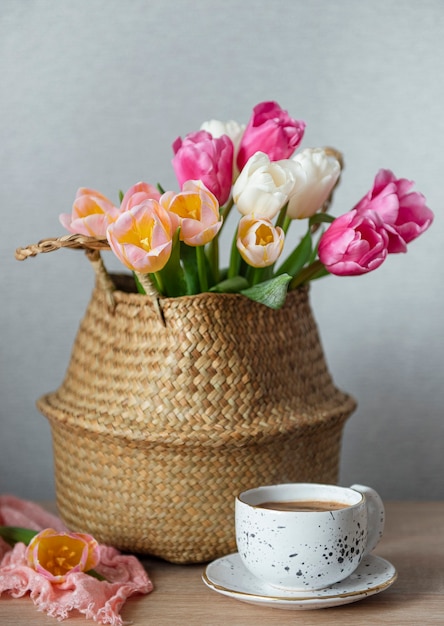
[[259, 242]]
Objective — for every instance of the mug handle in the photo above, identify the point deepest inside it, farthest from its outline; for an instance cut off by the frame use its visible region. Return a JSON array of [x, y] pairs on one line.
[[375, 515]]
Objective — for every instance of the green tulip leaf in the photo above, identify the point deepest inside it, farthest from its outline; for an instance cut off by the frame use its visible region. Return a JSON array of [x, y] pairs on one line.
[[272, 292], [298, 258], [231, 285], [320, 218]]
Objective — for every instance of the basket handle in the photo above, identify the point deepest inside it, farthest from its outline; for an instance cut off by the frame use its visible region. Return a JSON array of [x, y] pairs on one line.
[[92, 247], [66, 241]]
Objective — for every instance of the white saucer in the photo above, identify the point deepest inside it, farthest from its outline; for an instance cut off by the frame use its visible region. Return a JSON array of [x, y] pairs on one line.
[[228, 576]]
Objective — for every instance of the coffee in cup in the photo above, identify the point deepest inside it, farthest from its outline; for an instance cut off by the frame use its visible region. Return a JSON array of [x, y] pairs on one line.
[[305, 536]]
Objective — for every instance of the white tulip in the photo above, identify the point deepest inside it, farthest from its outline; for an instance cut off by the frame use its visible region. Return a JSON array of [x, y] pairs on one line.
[[316, 176], [263, 186]]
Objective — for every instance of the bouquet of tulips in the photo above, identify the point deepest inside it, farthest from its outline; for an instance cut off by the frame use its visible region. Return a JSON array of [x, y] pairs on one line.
[[170, 239]]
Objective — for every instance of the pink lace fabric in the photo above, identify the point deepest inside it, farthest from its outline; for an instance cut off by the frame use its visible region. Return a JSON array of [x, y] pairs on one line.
[[97, 600]]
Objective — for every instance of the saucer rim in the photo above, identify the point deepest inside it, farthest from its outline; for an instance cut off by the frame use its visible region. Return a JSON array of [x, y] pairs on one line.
[[309, 595]]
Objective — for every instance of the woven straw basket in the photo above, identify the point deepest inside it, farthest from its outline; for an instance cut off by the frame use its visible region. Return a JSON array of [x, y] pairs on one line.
[[162, 419]]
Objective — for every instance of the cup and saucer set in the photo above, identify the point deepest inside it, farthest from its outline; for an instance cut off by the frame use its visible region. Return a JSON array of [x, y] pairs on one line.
[[304, 546]]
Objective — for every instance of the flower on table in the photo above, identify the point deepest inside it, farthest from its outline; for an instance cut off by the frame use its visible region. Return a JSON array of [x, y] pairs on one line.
[[91, 214], [55, 555]]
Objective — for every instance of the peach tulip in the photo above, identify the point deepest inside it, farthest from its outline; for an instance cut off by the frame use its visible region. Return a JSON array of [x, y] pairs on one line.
[[197, 210], [259, 242], [55, 555], [141, 237], [137, 194], [91, 214]]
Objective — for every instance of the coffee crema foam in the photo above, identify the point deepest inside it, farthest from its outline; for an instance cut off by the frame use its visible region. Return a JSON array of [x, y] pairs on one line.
[[308, 506]]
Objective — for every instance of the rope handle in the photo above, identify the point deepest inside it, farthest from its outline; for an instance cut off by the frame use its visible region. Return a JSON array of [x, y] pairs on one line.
[[92, 247], [66, 241]]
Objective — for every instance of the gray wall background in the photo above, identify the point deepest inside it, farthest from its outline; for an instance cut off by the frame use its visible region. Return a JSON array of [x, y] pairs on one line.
[[93, 94]]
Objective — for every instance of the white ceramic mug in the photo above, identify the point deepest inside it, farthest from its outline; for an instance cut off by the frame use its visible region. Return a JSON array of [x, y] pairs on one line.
[[305, 550]]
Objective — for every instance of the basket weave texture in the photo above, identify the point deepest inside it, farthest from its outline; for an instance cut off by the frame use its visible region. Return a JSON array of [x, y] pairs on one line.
[[158, 424]]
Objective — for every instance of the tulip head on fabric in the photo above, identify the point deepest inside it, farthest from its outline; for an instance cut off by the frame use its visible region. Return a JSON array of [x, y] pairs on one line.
[[56, 555]]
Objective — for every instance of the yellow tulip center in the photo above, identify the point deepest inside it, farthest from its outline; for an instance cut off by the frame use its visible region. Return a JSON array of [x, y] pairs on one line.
[[264, 235], [60, 554], [141, 234], [187, 206]]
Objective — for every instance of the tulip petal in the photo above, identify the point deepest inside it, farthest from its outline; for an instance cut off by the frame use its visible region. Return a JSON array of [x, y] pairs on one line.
[[142, 237]]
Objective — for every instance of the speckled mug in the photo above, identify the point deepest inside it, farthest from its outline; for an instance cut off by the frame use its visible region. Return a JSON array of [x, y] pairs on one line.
[[307, 550]]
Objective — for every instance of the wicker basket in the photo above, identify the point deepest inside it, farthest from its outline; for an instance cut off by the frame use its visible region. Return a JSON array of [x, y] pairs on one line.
[[161, 420]]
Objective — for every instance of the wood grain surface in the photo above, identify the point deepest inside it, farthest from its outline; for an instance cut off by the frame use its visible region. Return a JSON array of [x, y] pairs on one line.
[[413, 543]]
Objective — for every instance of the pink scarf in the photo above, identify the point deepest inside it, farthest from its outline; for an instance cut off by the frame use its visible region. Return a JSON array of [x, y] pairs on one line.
[[97, 600]]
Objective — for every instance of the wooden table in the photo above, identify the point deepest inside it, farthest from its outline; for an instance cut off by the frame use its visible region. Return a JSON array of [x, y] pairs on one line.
[[413, 543]]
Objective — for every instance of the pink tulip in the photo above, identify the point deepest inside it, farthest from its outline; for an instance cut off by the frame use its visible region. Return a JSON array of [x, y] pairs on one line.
[[270, 130], [141, 237], [403, 212], [197, 209], [353, 244], [55, 555], [258, 241], [200, 156], [91, 214], [137, 194]]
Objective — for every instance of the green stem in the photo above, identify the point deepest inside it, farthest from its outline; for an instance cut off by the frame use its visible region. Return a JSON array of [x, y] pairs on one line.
[[313, 271], [225, 211], [158, 282], [213, 258], [213, 246], [201, 269], [282, 217], [255, 275], [235, 260], [13, 534]]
